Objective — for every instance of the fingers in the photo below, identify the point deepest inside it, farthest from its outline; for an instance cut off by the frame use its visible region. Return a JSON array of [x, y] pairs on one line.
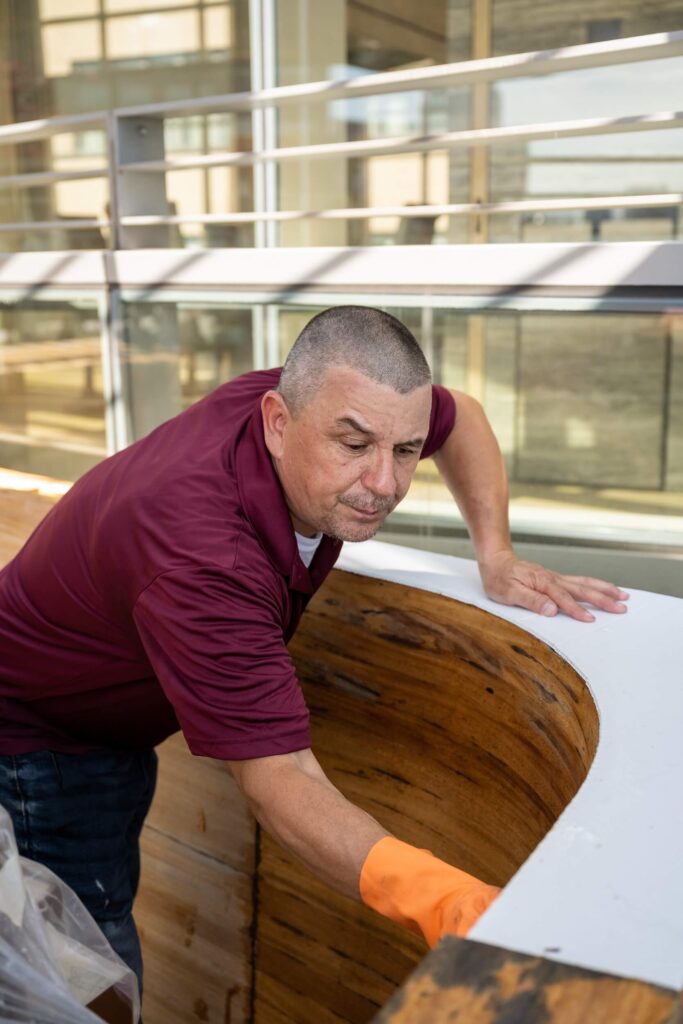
[[566, 602], [526, 597], [607, 601], [547, 598], [609, 589], [546, 593]]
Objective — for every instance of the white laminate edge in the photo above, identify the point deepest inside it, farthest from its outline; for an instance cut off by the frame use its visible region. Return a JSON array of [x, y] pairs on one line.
[[604, 888]]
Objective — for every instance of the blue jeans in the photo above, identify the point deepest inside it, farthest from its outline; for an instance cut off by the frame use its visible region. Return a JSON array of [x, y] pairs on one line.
[[81, 815]]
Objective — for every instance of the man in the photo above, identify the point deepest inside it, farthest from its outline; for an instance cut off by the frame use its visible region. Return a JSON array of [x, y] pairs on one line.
[[161, 591]]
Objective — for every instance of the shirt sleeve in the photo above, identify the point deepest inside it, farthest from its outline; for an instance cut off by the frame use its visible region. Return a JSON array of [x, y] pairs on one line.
[[215, 642], [441, 420]]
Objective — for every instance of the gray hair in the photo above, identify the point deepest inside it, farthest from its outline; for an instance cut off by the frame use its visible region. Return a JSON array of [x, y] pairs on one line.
[[366, 339]]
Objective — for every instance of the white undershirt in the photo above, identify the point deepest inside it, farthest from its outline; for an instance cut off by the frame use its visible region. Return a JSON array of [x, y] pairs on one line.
[[307, 546]]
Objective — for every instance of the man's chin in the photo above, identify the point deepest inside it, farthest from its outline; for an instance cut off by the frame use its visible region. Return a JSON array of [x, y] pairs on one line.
[[348, 527], [359, 535], [355, 532]]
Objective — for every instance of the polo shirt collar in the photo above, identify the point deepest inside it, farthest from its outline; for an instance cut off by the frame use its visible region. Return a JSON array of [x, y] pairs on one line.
[[264, 505]]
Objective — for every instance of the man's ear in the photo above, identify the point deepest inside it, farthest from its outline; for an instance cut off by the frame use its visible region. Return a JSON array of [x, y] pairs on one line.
[[276, 417]]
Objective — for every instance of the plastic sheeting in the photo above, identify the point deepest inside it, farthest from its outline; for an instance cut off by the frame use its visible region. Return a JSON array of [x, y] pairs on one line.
[[54, 960]]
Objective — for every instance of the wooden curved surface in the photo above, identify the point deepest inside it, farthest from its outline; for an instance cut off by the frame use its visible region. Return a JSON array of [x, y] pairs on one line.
[[457, 730], [604, 888]]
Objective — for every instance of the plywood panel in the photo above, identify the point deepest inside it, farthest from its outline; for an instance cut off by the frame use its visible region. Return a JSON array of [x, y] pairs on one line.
[[193, 914], [458, 731], [199, 805]]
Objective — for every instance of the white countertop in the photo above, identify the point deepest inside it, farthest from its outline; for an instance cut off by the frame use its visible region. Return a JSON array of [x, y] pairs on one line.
[[604, 888]]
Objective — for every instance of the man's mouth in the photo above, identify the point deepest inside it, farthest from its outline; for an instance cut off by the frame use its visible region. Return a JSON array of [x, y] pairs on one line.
[[370, 513]]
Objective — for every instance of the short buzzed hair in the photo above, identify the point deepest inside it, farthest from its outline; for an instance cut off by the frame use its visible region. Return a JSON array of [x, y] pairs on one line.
[[366, 339]]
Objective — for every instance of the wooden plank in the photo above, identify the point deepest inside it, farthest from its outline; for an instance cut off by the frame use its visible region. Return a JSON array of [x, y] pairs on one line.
[[198, 804], [458, 731], [193, 915], [320, 956], [473, 982], [194, 909]]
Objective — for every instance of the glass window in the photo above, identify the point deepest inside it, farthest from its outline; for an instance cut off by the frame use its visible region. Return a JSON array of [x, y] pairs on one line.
[[587, 409], [164, 36], [70, 45], [128, 6], [130, 52], [52, 416], [519, 26], [66, 8], [176, 352]]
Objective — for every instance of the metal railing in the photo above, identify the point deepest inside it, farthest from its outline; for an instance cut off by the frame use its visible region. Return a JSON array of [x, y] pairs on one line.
[[137, 164]]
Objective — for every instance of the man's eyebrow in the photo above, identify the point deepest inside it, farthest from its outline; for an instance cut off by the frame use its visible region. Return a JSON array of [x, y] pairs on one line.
[[348, 421]]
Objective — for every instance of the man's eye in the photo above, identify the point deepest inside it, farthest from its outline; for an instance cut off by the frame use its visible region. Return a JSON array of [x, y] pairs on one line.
[[354, 447]]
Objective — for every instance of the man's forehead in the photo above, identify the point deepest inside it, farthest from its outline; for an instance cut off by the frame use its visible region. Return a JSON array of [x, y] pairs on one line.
[[349, 400], [407, 415]]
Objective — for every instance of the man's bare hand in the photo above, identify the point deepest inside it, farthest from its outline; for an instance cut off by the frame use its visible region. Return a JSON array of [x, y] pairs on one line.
[[510, 580]]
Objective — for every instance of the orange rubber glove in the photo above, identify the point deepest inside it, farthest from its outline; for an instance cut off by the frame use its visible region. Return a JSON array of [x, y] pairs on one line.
[[415, 889]]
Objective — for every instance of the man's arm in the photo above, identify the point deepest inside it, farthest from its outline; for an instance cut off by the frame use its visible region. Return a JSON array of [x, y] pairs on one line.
[[471, 465], [294, 801]]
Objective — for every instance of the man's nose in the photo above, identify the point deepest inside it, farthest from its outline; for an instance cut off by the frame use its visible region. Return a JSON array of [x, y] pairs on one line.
[[380, 477]]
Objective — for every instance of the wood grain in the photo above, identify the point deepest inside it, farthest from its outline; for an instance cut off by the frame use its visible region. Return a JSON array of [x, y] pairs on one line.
[[458, 731], [197, 804], [195, 908], [474, 982], [193, 914]]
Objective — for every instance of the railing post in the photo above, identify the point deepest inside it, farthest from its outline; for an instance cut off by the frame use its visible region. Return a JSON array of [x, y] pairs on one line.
[[111, 128], [137, 139], [262, 31]]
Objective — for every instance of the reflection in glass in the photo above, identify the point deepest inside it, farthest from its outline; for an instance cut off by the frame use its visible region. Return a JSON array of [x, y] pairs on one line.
[[51, 400], [70, 56], [75, 56], [176, 352], [519, 26]]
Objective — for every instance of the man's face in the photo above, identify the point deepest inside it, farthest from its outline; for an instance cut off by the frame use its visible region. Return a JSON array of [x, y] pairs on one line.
[[347, 460]]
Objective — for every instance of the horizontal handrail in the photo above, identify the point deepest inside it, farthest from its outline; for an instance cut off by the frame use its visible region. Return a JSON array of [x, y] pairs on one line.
[[444, 76], [419, 144], [469, 72], [47, 225], [666, 199], [36, 178], [636, 48], [29, 131], [659, 200]]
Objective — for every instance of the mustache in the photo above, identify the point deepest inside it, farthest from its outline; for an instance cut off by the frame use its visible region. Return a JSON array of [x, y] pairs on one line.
[[368, 503]]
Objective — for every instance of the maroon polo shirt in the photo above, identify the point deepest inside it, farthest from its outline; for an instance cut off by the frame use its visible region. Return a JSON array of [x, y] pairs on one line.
[[160, 593]]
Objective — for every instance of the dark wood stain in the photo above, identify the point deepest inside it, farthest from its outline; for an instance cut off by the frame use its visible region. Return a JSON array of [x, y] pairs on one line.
[[475, 983]]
